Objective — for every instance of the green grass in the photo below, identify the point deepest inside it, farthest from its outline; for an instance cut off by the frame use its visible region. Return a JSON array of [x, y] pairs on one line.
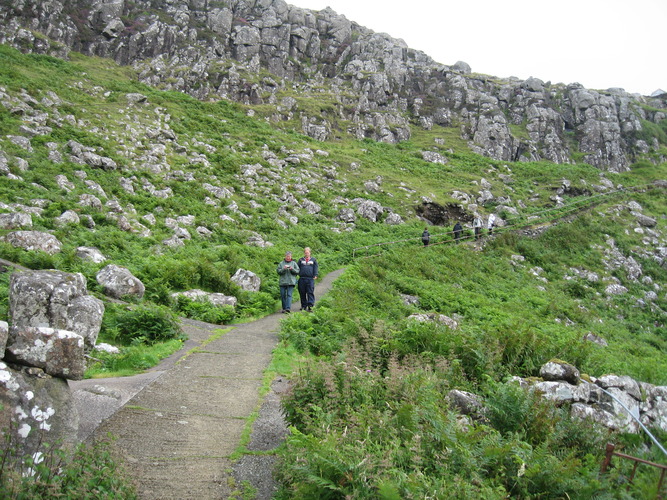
[[367, 406]]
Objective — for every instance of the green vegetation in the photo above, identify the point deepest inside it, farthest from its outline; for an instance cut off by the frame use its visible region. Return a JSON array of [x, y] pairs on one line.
[[368, 408], [88, 472]]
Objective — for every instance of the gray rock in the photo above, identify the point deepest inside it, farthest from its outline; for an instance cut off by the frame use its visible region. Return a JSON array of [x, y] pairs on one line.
[[627, 384], [410, 300], [559, 370], [15, 220], [216, 299], [393, 219], [370, 210], [563, 392], [346, 215], [247, 280], [590, 337], [40, 406], [57, 300], [435, 318], [67, 217], [34, 241], [466, 403], [91, 254], [4, 333], [60, 353], [117, 281]]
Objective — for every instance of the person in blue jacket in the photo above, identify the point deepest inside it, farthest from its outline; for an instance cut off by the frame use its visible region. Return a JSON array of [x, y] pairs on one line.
[[308, 270], [288, 271]]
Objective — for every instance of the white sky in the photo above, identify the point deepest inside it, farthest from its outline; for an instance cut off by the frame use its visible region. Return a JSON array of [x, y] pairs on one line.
[[598, 43]]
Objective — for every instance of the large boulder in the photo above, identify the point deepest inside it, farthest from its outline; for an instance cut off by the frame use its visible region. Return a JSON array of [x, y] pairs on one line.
[[247, 280], [117, 282], [560, 370], [36, 409], [55, 299], [370, 210], [60, 353], [15, 220], [34, 240]]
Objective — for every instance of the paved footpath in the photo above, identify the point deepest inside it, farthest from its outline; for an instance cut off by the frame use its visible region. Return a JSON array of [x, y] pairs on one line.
[[182, 421]]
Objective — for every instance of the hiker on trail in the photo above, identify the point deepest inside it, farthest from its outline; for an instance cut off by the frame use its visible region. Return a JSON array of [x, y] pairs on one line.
[[426, 237], [491, 223], [457, 231], [288, 271], [477, 226], [308, 270]]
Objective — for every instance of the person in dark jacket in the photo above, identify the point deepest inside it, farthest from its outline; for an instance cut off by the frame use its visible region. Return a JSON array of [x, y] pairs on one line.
[[288, 271], [426, 237], [458, 229], [308, 270]]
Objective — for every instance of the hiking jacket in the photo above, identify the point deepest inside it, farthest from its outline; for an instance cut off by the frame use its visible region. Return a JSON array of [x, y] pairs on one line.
[[308, 269], [426, 236], [288, 276]]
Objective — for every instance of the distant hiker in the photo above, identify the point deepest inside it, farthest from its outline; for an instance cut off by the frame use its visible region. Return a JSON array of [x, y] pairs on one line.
[[308, 270], [457, 231], [288, 271], [477, 226], [491, 223], [426, 237]]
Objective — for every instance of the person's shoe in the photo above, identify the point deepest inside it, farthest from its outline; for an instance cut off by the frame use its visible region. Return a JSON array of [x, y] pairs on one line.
[[309, 309], [287, 311]]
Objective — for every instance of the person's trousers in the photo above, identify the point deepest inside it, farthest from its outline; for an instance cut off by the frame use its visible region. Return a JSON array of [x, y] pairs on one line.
[[307, 292], [286, 292]]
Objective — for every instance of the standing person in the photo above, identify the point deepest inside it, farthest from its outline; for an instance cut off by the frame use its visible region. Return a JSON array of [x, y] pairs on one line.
[[457, 231], [308, 270], [477, 225], [491, 223], [288, 271], [426, 237]]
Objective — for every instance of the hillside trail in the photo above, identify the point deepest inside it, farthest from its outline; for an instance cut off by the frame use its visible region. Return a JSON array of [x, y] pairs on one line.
[[176, 426]]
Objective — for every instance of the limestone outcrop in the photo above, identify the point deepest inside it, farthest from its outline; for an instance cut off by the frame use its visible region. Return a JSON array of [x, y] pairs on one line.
[[53, 323], [381, 86]]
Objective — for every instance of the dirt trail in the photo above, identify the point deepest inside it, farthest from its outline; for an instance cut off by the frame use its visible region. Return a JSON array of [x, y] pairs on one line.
[[184, 419]]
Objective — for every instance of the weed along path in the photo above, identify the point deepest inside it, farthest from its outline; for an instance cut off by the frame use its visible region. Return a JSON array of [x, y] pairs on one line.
[[177, 433]]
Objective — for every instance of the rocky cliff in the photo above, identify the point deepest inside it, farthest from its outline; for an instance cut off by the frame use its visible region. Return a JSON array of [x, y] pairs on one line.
[[268, 52]]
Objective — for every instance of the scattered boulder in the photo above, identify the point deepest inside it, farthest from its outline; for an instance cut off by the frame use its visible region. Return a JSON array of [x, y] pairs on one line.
[[560, 370], [57, 300], [370, 210], [435, 318], [34, 241], [466, 403], [393, 219], [117, 282], [60, 353], [91, 254], [247, 280], [15, 220], [216, 299]]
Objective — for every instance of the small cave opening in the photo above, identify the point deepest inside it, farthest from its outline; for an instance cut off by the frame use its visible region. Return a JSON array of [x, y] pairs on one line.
[[442, 215]]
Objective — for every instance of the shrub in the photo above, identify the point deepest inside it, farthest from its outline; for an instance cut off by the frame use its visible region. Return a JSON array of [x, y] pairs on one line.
[[203, 310], [90, 472], [146, 324]]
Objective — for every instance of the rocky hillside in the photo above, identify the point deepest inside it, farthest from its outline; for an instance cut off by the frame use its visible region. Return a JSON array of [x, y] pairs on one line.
[[328, 77]]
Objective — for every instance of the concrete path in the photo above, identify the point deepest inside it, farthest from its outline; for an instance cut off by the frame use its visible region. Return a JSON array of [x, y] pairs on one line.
[[179, 423]]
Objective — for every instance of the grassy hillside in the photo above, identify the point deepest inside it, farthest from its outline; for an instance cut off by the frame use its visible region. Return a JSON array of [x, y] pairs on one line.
[[367, 406]]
